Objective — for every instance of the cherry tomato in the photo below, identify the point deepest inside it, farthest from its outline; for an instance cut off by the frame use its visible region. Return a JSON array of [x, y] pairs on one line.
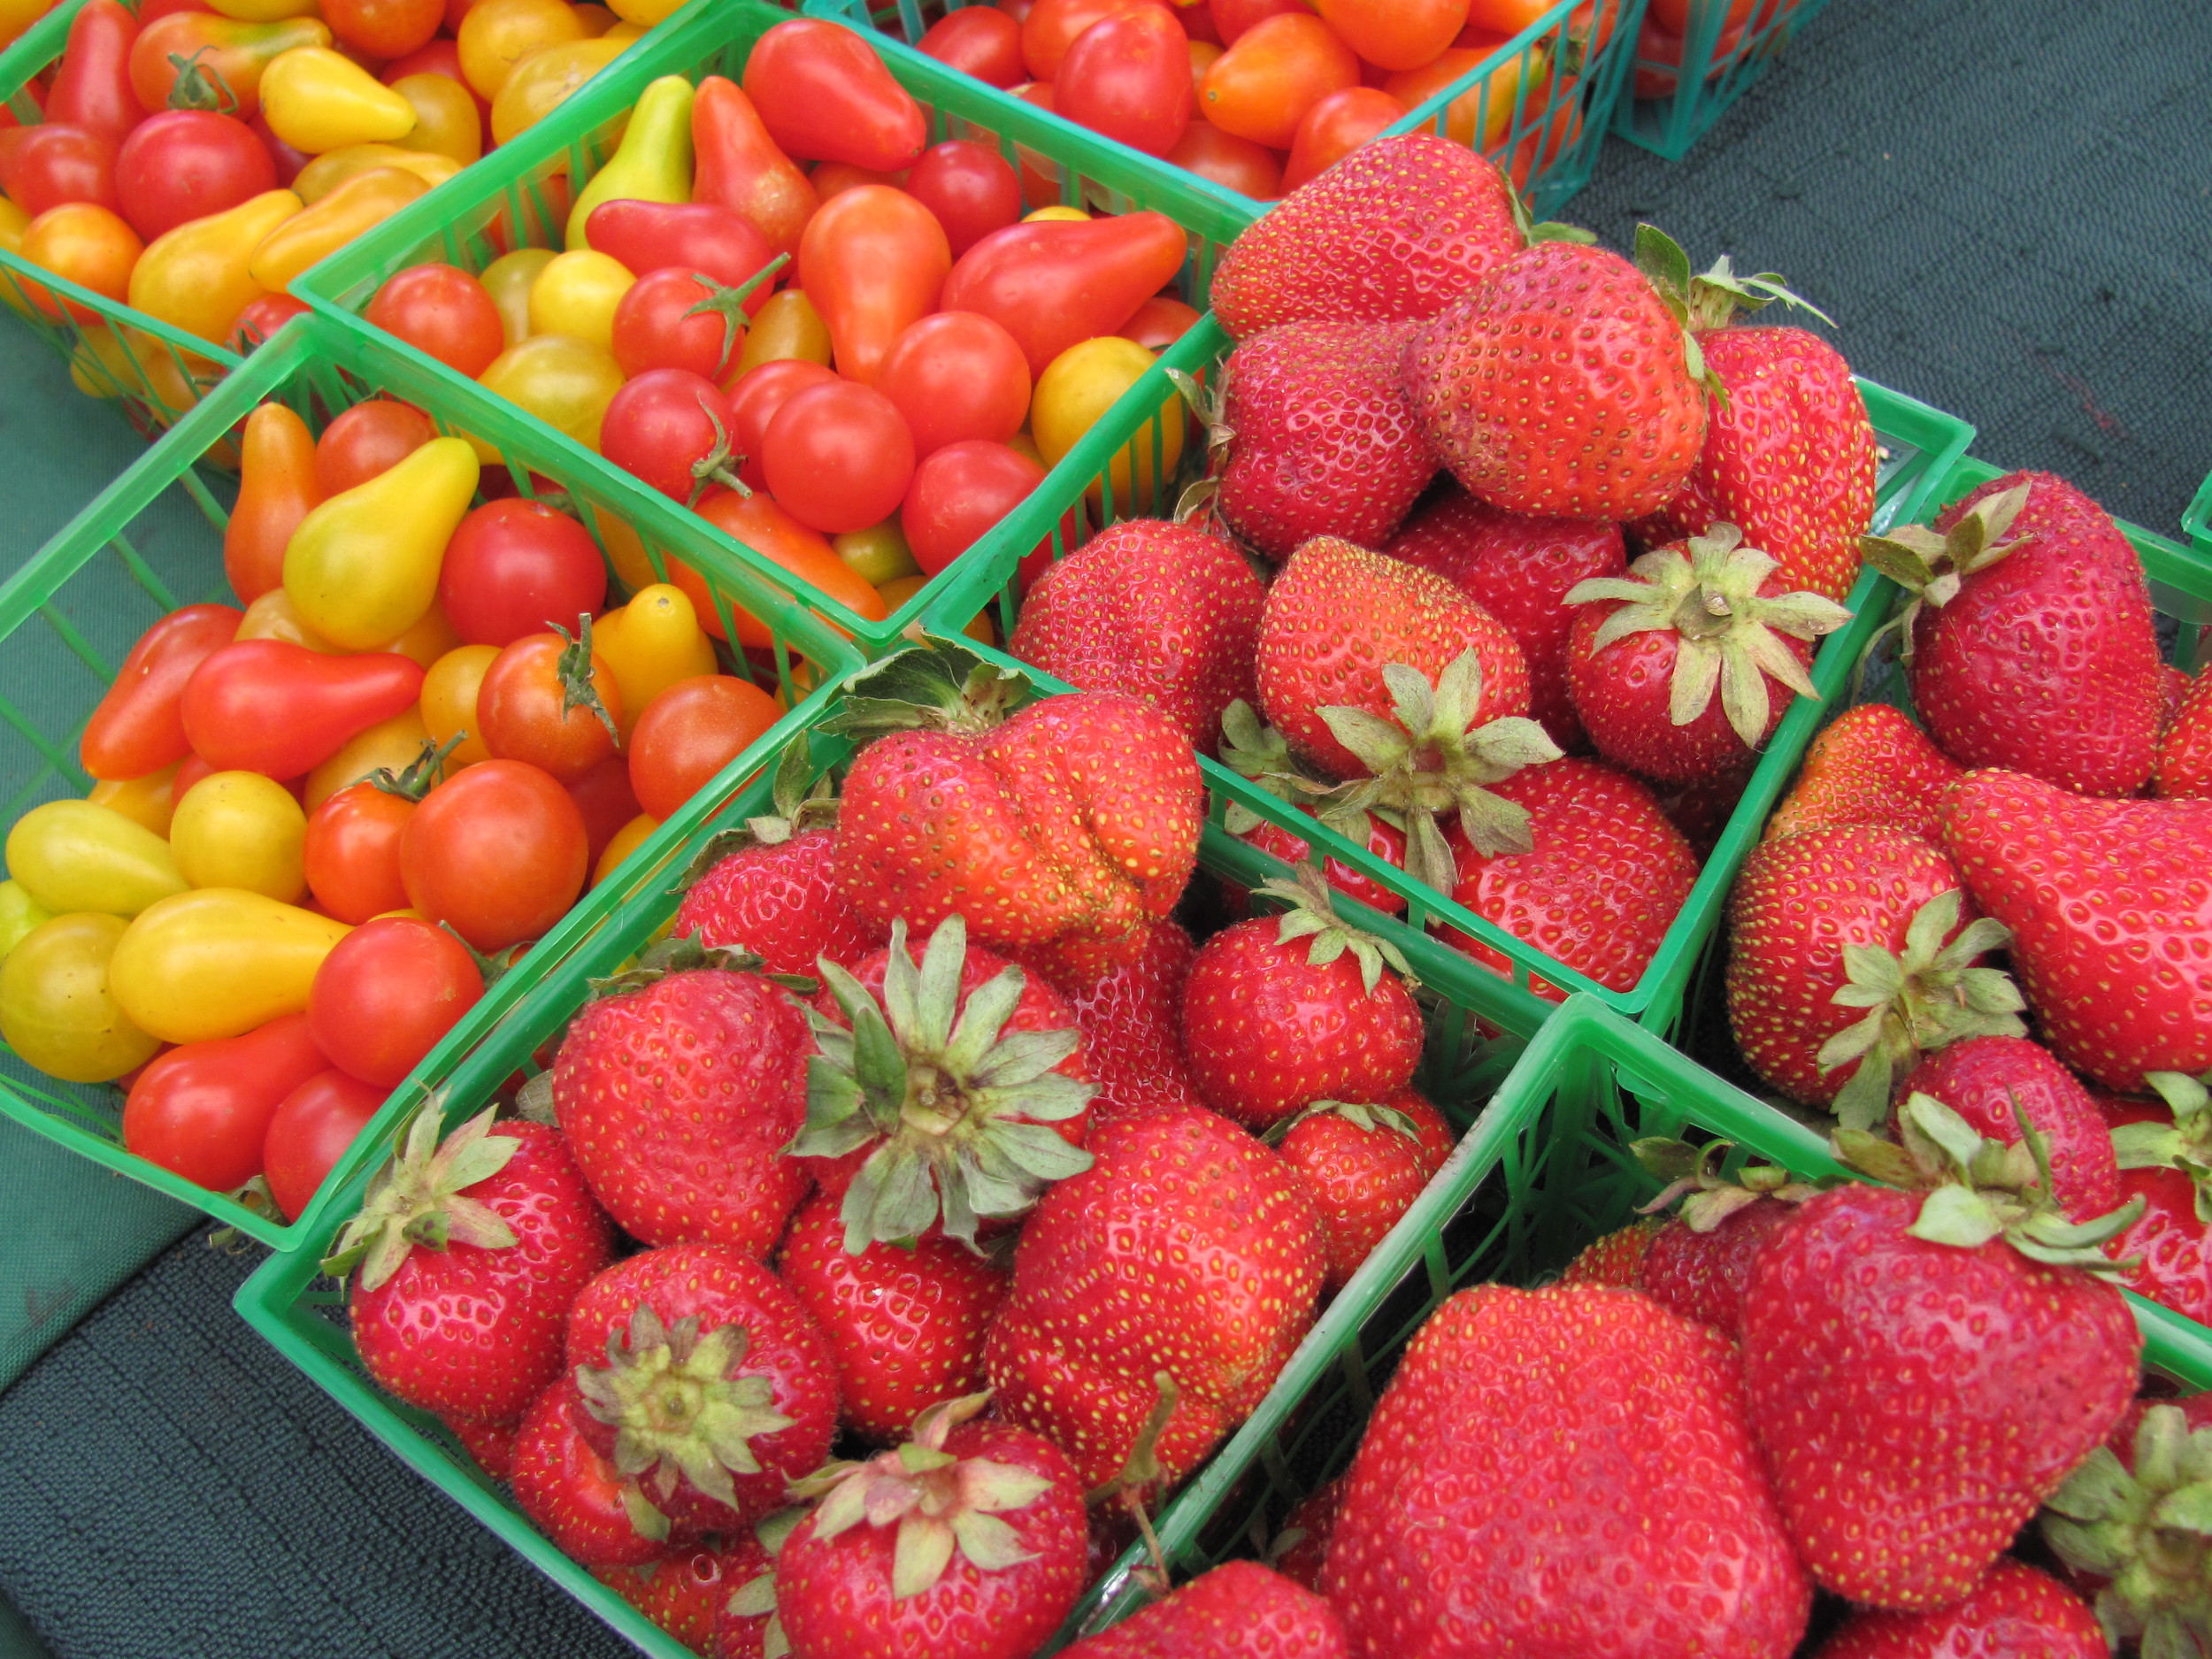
[[1466, 113], [1263, 86], [658, 325], [449, 704], [281, 710], [981, 41], [1235, 163], [1233, 18], [370, 438], [550, 700], [42, 167], [1336, 127], [754, 401], [1202, 54], [957, 375], [874, 261], [514, 567], [1128, 76], [139, 725], [968, 186], [834, 178], [385, 994], [565, 383], [958, 494], [670, 428], [1054, 26], [760, 523], [1395, 34], [290, 163], [186, 164], [1198, 23], [497, 852], [312, 1129], [90, 246], [839, 458], [690, 732], [202, 1110], [444, 312], [352, 852], [258, 323], [1159, 323], [604, 797], [386, 28]]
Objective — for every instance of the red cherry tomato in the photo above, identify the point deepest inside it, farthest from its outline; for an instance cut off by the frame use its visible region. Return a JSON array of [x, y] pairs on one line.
[[690, 732], [1336, 127], [385, 994], [514, 567], [1232, 18], [257, 324], [957, 375], [1159, 323], [186, 164], [839, 458], [202, 1110], [968, 186], [370, 438], [384, 28], [604, 797], [444, 312], [1235, 163], [958, 494], [671, 429], [1053, 26], [1128, 76], [49, 165], [754, 400], [281, 710], [496, 851], [352, 852], [139, 724], [658, 325], [536, 704], [834, 178], [980, 40], [312, 1128]]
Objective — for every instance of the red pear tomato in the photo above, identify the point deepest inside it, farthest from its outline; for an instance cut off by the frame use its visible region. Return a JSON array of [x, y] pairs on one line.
[[1128, 76], [202, 1110]]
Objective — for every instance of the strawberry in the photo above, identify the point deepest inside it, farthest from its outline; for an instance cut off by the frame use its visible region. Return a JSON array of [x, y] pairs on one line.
[[745, 1625], [1239, 1611], [1316, 437], [490, 1444], [678, 1089], [2031, 644], [1280, 1011], [905, 1323], [1302, 1548], [578, 1499], [1078, 816], [969, 1539], [470, 1252], [1871, 764], [1562, 384], [1617, 1259], [1257, 751], [1519, 569], [955, 1088], [1398, 230], [1992, 1081], [1564, 1471], [1151, 610], [2184, 746], [2014, 1610], [1601, 884], [765, 890], [1188, 1248], [1697, 1264], [2165, 1157], [684, 1590], [703, 1381], [1363, 1165], [1676, 672], [1131, 1019], [2127, 1524], [2109, 912], [1830, 922], [1897, 1359]]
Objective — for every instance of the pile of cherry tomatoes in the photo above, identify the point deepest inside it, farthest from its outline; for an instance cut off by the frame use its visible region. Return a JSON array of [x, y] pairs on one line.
[[1665, 32]]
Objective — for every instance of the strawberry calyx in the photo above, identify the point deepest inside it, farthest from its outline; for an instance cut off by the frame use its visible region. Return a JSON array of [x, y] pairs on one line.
[[418, 1198], [1311, 914], [960, 1109], [755, 1597], [933, 687], [1708, 300], [2148, 1533], [1258, 752], [1697, 1176], [1930, 564], [1427, 762], [2184, 1144], [1726, 630], [940, 1503], [1978, 1190], [1361, 1115], [690, 955], [800, 805], [1925, 999], [1532, 230]]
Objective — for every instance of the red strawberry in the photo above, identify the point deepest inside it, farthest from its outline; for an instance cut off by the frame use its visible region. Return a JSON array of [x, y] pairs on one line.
[[576, 1497], [1152, 609], [1680, 672], [953, 1090], [678, 1089], [746, 1620], [2036, 653], [773, 894], [1617, 1259], [2015, 1610], [2110, 911], [683, 1592], [1239, 1611], [1856, 944], [1397, 230], [1519, 569], [1364, 1165], [1562, 1471], [1189, 1248], [1078, 816], [1983, 1079], [2185, 747], [470, 1253], [1697, 1264], [1562, 384], [1302, 1548], [1601, 884], [491, 1444], [1258, 752], [2165, 1155], [1132, 1021], [1869, 765], [2124, 1525], [1897, 1359], [1280, 1011], [905, 1323], [1318, 438], [704, 1380], [968, 1540]]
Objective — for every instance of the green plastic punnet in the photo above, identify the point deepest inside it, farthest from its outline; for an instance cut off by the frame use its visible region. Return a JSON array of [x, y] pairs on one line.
[[1667, 107], [138, 551], [1919, 446], [2196, 521]]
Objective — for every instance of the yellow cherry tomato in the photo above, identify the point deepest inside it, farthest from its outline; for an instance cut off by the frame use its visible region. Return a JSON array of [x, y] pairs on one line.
[[195, 276], [324, 175], [239, 829], [627, 840], [624, 32], [626, 553], [448, 700], [787, 326], [446, 120], [649, 644], [274, 616], [216, 961], [307, 238], [20, 913], [576, 295], [58, 1009], [508, 279], [652, 163], [878, 553], [427, 641], [317, 100], [545, 79], [565, 381], [74, 856], [1078, 387], [498, 34], [362, 567], [18, 15], [392, 745], [147, 801], [1058, 211]]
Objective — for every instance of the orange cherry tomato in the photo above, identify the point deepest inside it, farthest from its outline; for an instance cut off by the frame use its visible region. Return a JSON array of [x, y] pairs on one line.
[[551, 701], [1263, 86], [690, 732], [384, 28], [1395, 34], [1236, 164], [90, 246], [1526, 76], [874, 261], [352, 852], [765, 528], [1336, 127]]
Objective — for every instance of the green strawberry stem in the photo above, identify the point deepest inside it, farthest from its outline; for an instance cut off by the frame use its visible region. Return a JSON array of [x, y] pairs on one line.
[[417, 1198], [1708, 300], [1311, 914], [1930, 566], [690, 955], [1373, 1118], [938, 686], [2184, 1144], [2146, 1532], [1696, 1175]]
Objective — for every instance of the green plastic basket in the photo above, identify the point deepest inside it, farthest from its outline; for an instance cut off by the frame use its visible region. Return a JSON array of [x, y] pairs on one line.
[[1576, 107], [714, 37], [1672, 121], [1920, 446], [2196, 521], [71, 614], [1544, 1171]]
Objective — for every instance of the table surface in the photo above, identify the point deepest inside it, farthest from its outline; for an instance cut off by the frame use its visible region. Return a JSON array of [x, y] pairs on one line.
[[2004, 204]]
